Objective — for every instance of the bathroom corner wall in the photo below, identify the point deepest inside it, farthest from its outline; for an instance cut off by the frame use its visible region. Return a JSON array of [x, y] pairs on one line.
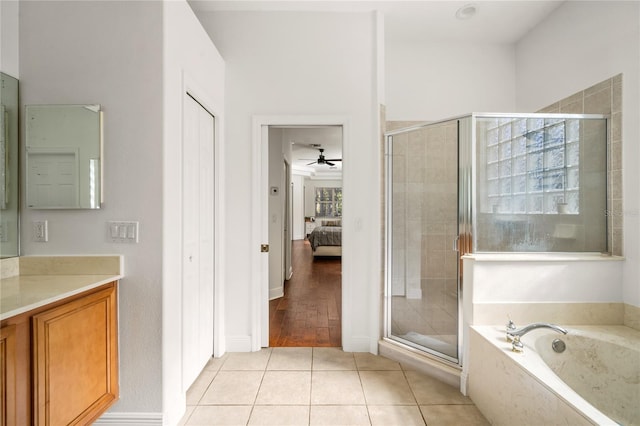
[[562, 56]]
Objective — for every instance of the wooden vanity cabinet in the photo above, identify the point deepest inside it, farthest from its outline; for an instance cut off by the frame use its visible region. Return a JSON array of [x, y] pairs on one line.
[[8, 375], [73, 348]]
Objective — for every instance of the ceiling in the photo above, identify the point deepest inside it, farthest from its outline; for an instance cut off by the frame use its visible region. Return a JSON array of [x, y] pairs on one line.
[[505, 21], [305, 144], [501, 22]]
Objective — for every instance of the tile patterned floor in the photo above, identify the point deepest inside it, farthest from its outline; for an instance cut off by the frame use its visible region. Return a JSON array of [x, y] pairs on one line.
[[321, 386]]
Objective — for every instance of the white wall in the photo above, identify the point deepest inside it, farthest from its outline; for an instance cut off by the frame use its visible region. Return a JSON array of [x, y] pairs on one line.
[[9, 25], [581, 44], [136, 59], [191, 63], [296, 63], [428, 81], [108, 53]]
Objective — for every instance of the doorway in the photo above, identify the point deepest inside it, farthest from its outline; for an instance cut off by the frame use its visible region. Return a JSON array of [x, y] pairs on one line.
[[288, 130]]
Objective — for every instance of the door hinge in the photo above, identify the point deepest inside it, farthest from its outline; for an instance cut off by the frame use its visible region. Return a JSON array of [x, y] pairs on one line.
[[264, 248]]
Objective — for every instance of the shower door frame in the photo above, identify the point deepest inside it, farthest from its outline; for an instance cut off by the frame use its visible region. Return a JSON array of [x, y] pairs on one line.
[[461, 244]]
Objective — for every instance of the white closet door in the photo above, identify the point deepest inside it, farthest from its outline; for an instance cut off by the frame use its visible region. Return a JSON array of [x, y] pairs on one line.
[[197, 239]]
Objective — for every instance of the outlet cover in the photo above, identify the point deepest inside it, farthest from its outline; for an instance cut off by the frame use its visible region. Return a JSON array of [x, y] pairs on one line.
[[40, 231]]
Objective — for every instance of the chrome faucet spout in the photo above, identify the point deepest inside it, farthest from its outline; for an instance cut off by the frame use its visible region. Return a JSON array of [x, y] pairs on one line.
[[524, 330]]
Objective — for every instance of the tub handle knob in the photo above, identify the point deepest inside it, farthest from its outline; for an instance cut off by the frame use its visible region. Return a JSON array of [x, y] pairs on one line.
[[516, 345]]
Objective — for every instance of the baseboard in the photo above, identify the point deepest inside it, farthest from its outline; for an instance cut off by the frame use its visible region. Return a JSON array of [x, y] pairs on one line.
[[414, 293], [356, 343], [130, 419], [275, 293]]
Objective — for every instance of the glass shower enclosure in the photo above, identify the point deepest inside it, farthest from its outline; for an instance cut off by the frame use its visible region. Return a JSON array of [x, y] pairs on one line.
[[483, 183]]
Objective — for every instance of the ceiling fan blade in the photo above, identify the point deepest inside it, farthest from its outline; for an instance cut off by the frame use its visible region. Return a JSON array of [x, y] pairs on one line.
[[311, 163], [328, 163], [333, 159]]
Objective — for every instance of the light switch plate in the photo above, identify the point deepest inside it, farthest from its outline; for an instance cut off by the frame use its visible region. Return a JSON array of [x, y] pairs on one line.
[[122, 231]]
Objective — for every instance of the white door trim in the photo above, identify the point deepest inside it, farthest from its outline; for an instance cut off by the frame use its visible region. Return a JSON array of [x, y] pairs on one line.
[[259, 216]]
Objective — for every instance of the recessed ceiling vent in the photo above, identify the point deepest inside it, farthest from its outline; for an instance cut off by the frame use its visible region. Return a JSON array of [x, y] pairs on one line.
[[467, 11]]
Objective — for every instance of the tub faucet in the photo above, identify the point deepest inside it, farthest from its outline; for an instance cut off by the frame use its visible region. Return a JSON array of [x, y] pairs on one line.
[[514, 335]]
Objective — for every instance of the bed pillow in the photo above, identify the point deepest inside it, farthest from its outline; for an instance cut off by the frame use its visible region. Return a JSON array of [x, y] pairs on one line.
[[331, 223]]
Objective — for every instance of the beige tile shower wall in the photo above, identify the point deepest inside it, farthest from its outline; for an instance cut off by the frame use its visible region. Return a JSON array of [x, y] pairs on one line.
[[604, 98], [425, 180], [439, 221]]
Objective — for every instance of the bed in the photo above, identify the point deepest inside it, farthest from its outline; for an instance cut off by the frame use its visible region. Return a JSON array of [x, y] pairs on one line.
[[326, 239]]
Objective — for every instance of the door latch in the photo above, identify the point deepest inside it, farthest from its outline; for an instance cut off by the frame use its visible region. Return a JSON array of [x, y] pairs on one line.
[[264, 248]]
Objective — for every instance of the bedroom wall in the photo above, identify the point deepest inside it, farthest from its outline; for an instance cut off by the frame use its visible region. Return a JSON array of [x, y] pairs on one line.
[[279, 152], [310, 186], [565, 55]]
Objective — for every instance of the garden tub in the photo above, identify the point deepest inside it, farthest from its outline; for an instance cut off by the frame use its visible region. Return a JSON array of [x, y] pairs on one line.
[[595, 380]]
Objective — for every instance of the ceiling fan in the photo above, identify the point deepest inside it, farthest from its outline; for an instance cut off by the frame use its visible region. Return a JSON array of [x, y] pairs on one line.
[[322, 160]]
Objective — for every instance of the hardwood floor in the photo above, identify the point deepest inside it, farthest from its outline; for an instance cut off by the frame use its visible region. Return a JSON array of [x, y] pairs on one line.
[[310, 312]]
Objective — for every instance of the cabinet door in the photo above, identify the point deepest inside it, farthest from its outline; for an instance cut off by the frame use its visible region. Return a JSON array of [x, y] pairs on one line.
[[8, 375], [75, 368]]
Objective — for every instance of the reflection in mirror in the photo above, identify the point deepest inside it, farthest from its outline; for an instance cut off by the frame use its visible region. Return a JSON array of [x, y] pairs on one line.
[[64, 153], [9, 242]]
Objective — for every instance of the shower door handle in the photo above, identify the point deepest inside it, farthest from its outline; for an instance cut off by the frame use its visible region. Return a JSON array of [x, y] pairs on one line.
[[455, 243]]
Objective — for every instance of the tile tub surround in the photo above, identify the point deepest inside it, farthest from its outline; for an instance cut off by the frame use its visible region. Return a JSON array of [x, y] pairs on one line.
[[555, 312], [614, 313], [519, 388], [33, 281], [321, 386]]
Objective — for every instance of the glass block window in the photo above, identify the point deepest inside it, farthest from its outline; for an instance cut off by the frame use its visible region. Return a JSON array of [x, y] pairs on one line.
[[328, 202], [529, 165]]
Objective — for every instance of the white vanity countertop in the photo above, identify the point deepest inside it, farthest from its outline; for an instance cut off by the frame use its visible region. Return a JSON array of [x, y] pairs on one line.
[[44, 280]]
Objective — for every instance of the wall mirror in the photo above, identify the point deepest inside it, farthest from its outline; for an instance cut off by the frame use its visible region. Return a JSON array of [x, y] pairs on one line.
[[9, 235], [63, 156]]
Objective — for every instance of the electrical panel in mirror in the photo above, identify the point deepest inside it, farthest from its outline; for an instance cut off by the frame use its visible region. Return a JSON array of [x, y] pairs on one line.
[[63, 156]]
